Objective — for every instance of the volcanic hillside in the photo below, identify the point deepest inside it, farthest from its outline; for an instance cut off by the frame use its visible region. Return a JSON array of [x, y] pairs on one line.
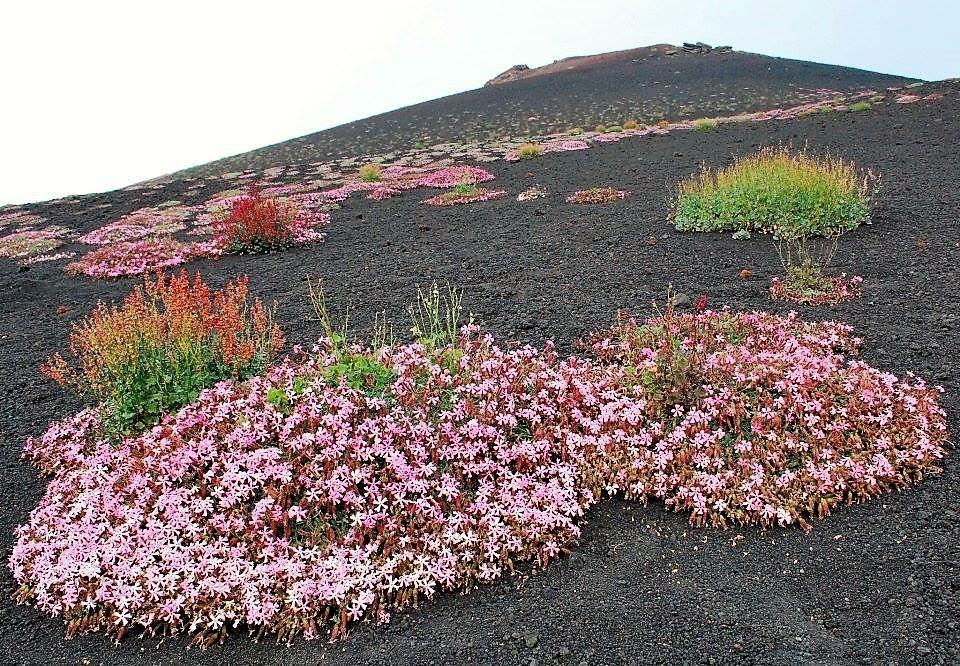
[[646, 84], [873, 582]]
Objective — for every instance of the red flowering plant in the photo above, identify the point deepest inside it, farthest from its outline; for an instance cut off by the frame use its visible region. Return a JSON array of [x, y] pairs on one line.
[[169, 339], [255, 224]]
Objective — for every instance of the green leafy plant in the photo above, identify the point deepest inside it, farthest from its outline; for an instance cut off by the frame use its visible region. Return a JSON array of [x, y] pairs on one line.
[[361, 372], [860, 106], [170, 339], [704, 125], [465, 189]]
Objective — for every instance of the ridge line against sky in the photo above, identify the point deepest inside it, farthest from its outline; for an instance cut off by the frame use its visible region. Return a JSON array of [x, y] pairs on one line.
[[100, 95]]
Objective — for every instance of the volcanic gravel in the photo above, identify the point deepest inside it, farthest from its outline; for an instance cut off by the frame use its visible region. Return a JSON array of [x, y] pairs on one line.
[[876, 582], [647, 89]]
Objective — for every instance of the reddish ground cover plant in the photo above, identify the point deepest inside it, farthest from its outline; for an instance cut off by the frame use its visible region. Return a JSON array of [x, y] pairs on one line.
[[169, 339], [597, 195], [826, 290], [348, 482], [255, 224], [532, 193]]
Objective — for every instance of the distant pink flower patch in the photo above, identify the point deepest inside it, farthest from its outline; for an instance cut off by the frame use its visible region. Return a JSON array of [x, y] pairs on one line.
[[454, 198], [29, 243], [565, 145], [43, 258], [455, 175], [383, 192], [282, 190], [19, 218], [610, 137], [142, 223], [907, 99], [836, 289], [398, 171], [340, 194], [134, 258]]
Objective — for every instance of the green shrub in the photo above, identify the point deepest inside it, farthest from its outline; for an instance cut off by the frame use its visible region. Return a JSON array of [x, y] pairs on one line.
[[860, 106], [805, 202], [370, 173], [528, 150], [777, 191], [704, 125]]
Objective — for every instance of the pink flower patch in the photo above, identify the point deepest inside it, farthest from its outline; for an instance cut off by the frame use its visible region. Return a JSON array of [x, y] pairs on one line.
[[310, 499], [455, 198], [597, 195], [455, 175], [133, 258], [836, 289]]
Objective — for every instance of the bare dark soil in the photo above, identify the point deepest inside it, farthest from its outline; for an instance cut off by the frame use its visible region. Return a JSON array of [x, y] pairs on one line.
[[877, 582], [647, 89]]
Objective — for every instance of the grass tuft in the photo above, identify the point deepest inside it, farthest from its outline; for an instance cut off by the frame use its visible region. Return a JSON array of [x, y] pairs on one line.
[[370, 173], [777, 191], [529, 150]]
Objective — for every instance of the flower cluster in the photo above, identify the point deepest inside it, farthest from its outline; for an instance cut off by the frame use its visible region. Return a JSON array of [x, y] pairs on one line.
[[565, 145], [464, 196], [455, 175], [143, 223], [597, 195], [761, 419], [299, 503], [831, 289], [135, 257], [19, 218], [328, 491], [27, 245], [528, 150]]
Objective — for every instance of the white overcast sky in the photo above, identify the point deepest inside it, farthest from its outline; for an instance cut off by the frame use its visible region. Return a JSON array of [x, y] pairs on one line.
[[99, 95]]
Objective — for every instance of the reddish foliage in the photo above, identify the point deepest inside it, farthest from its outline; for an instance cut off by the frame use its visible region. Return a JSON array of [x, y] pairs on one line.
[[169, 339], [254, 223]]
